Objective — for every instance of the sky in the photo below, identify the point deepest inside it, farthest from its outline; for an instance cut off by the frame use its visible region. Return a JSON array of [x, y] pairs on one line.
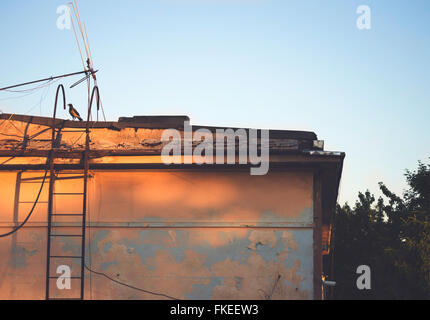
[[278, 64]]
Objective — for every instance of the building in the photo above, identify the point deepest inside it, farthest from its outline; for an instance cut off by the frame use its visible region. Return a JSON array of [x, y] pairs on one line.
[[188, 231]]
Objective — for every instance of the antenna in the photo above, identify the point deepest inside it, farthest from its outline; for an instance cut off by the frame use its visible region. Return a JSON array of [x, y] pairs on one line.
[[42, 80], [84, 78], [89, 67]]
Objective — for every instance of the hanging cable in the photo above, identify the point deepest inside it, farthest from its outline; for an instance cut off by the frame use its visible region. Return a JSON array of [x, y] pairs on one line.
[[6, 120], [6, 161], [19, 97], [41, 86], [130, 286], [42, 80], [42, 97], [31, 211]]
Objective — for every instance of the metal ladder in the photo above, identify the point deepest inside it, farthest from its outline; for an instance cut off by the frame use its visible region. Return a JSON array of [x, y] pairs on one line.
[[54, 232], [26, 178], [76, 230]]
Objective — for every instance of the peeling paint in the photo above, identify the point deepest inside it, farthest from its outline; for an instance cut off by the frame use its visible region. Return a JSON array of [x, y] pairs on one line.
[[215, 254], [106, 265], [106, 247], [203, 292], [96, 238], [20, 255]]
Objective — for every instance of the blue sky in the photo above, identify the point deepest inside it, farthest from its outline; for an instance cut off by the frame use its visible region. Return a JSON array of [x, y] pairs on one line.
[[281, 64]]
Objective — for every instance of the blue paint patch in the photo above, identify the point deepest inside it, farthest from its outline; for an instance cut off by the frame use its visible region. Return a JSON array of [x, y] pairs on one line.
[[19, 257], [177, 253], [234, 250], [70, 245], [267, 252], [303, 254], [150, 267], [106, 247], [32, 252], [106, 265], [202, 292], [36, 236], [96, 238], [288, 283], [239, 281], [144, 249]]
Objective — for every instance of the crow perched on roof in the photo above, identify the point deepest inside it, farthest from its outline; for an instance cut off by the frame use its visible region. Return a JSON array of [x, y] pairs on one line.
[[74, 113]]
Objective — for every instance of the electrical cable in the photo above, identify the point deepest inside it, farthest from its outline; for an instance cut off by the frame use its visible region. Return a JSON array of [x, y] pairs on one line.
[[19, 97], [10, 135], [6, 161], [17, 129], [40, 190], [130, 286], [31, 89], [5, 120], [30, 213], [42, 97]]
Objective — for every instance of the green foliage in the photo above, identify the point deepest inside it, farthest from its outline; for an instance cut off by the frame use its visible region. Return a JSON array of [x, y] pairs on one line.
[[392, 238]]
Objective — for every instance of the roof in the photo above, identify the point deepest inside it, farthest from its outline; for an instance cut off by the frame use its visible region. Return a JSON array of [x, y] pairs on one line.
[[146, 122], [129, 135], [123, 145]]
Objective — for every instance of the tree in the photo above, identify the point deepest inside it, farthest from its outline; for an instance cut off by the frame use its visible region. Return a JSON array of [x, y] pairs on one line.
[[392, 238]]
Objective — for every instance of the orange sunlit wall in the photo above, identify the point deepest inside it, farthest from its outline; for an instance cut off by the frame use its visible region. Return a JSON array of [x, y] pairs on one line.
[[188, 234]]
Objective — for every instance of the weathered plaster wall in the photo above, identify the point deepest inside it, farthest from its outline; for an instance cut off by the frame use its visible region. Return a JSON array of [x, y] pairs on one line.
[[29, 142], [191, 235]]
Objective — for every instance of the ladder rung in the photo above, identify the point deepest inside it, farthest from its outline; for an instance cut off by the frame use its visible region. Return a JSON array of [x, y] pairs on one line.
[[24, 180], [74, 130], [32, 202], [66, 214], [69, 173], [66, 235], [64, 299], [69, 194], [60, 178], [65, 277], [34, 182], [66, 257]]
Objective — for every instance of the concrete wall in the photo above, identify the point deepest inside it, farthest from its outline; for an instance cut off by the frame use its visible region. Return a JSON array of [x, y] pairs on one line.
[[187, 234]]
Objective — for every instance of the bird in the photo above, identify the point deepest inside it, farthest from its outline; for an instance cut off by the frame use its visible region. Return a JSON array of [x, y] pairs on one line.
[[74, 113]]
